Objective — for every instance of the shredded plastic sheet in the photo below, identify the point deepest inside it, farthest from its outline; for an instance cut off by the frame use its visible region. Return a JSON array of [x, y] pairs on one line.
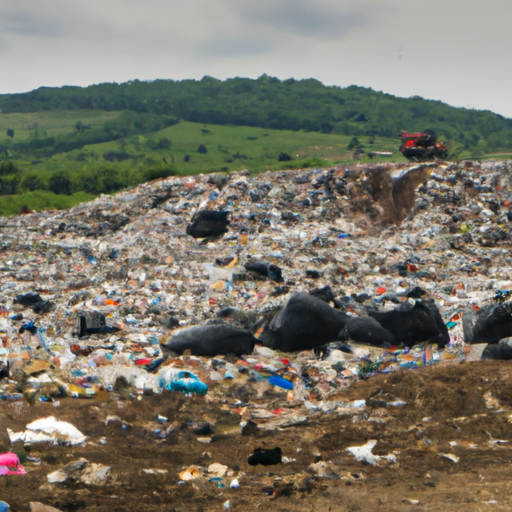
[[364, 453], [49, 430]]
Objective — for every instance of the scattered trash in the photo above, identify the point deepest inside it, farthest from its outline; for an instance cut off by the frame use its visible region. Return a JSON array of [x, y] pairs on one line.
[[217, 469], [121, 308], [192, 473], [324, 470], [145, 308], [284, 422], [186, 382], [450, 456], [40, 507], [49, 430], [364, 453], [10, 465], [265, 457], [155, 471], [81, 471], [276, 380]]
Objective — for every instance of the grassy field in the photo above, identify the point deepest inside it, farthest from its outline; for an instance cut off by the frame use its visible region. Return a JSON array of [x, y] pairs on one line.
[[184, 149], [50, 124], [228, 148], [40, 200]]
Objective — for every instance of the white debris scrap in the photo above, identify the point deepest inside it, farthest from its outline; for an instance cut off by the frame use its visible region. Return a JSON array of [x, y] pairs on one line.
[[364, 453], [218, 469], [450, 456], [49, 430]]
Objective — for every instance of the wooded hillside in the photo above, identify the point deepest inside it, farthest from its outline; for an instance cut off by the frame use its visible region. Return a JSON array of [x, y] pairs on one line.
[[271, 103]]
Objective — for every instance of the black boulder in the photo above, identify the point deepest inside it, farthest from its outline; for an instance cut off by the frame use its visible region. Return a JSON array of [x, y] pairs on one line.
[[4, 369], [34, 301], [499, 351], [367, 330], [326, 294], [266, 269], [416, 293], [92, 322]]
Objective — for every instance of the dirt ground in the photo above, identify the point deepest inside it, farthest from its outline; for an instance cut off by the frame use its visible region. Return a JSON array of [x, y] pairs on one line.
[[463, 410]]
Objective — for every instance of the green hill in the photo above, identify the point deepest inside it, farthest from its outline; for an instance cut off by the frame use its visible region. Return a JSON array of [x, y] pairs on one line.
[[287, 105], [62, 145], [38, 179]]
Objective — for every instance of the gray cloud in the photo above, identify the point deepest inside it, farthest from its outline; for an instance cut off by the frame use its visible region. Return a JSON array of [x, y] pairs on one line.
[[27, 22], [272, 27], [47, 20], [456, 51], [237, 46], [35, 21], [322, 19]]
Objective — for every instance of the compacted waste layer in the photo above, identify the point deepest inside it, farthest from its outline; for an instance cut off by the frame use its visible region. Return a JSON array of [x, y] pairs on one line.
[[88, 296]]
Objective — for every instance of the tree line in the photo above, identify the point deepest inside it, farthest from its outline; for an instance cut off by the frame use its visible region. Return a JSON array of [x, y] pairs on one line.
[[127, 124], [265, 102]]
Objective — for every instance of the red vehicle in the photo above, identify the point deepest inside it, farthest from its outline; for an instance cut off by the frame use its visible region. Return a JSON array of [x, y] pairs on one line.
[[420, 147]]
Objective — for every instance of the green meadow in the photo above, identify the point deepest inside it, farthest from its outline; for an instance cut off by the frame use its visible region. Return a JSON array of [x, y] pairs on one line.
[[44, 181], [28, 126], [226, 148], [60, 146]]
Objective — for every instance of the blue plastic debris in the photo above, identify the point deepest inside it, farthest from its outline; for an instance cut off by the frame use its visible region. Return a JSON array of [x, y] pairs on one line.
[[187, 382], [281, 382]]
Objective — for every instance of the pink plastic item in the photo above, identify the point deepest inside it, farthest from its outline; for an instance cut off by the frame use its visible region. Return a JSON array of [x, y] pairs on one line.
[[10, 465]]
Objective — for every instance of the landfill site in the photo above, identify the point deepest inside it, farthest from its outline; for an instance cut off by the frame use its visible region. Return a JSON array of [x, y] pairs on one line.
[[319, 340]]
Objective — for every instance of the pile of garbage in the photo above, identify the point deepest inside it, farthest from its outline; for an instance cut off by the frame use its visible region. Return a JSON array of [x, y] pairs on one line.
[[97, 297]]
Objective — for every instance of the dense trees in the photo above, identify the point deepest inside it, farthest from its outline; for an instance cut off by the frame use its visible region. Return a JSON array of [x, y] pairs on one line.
[[265, 102], [7, 168], [163, 143], [140, 154], [60, 183]]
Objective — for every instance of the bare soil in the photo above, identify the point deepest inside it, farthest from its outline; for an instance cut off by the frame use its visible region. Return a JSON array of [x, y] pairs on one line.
[[467, 404]]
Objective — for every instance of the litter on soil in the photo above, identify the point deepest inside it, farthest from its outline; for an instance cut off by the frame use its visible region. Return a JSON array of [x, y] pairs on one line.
[[101, 412]]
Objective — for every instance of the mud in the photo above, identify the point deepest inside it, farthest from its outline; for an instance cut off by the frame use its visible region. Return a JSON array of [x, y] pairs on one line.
[[460, 409]]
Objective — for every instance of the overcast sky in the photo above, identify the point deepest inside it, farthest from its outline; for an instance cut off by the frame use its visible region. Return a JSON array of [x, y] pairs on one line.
[[456, 51]]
